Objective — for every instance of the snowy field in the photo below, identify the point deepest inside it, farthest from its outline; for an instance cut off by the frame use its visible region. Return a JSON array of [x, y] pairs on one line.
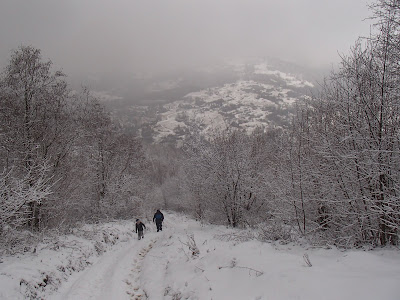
[[108, 262]]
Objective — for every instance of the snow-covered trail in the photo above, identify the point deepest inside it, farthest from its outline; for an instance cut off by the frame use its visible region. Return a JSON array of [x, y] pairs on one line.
[[115, 275], [230, 265]]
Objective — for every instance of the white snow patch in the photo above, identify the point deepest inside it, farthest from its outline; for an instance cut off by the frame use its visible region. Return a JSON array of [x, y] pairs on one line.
[[231, 264], [290, 79]]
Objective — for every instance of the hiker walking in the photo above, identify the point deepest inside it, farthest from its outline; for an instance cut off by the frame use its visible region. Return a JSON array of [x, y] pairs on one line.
[[158, 218], [139, 229]]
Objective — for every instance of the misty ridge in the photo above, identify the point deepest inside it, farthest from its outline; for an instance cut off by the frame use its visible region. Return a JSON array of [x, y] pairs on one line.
[[146, 88], [244, 143], [140, 102]]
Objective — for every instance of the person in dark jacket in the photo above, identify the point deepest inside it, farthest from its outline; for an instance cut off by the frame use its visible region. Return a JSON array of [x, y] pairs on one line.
[[158, 218], [139, 229]]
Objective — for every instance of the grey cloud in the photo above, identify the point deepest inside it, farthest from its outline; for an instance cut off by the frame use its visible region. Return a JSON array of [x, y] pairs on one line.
[[92, 36]]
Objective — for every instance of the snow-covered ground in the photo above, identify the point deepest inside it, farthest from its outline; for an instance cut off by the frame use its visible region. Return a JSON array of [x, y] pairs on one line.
[[239, 101], [263, 68], [108, 262]]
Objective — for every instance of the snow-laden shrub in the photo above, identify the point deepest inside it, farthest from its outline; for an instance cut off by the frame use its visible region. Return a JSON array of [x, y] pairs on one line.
[[275, 231], [69, 253], [14, 241], [21, 198], [236, 236]]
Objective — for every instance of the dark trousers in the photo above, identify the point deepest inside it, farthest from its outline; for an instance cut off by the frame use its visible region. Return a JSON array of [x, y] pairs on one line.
[[140, 234], [159, 225]]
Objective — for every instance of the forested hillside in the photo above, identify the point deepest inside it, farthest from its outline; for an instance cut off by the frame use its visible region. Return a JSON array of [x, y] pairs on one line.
[[330, 175], [333, 176], [62, 158]]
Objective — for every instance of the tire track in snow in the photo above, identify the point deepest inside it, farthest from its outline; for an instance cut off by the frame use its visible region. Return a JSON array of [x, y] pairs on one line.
[[115, 275], [135, 291]]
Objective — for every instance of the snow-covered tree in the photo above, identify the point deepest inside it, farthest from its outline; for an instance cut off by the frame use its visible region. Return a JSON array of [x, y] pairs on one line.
[[345, 165], [92, 169], [33, 119], [226, 175]]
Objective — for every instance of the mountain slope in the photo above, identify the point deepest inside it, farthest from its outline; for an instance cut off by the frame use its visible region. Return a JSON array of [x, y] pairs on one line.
[[257, 93]]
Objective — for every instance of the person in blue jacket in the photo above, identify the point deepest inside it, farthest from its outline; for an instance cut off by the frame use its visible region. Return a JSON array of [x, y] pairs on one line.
[[158, 218]]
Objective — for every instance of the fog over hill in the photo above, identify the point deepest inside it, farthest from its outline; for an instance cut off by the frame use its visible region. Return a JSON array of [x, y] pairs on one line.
[[237, 93]]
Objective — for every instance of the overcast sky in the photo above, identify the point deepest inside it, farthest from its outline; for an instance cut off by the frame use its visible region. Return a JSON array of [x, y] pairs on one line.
[[136, 35]]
